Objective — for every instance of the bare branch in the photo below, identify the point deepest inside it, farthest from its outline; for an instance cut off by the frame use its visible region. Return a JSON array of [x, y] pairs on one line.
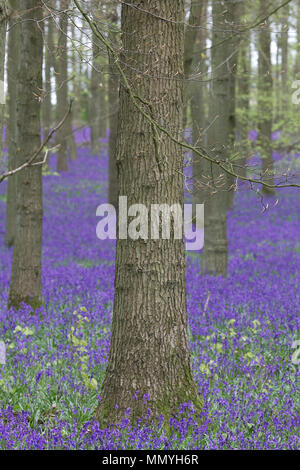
[[39, 150]]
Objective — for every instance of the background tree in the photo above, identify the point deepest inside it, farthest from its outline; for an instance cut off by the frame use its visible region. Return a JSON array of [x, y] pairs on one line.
[[215, 251], [94, 111], [113, 100], [62, 85], [265, 98], [3, 20]]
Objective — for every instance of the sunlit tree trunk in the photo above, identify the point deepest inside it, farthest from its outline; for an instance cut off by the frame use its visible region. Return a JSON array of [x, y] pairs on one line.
[[149, 351], [25, 285], [12, 73], [215, 252]]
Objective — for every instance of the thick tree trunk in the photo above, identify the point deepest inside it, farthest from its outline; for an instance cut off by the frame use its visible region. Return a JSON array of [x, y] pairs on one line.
[[62, 87], [113, 103], [265, 101], [3, 14], [215, 253], [12, 73], [25, 283], [149, 351]]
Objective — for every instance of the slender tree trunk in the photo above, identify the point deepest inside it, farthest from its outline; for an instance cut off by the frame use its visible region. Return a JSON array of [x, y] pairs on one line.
[[48, 54], [149, 349], [103, 107], [215, 252], [243, 105], [189, 45], [113, 103], [265, 100], [3, 14], [94, 98], [25, 285], [277, 81], [297, 61], [62, 87], [235, 11], [13, 58], [284, 60], [198, 91]]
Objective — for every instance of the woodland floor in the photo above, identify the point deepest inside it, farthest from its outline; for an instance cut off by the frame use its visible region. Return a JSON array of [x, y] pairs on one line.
[[241, 345]]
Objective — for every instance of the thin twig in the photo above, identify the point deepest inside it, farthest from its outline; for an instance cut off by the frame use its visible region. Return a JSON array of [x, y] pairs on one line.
[[39, 150]]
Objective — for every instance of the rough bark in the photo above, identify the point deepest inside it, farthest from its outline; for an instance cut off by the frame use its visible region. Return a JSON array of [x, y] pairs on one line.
[[149, 351], [113, 103], [25, 285], [12, 72], [62, 86], [215, 252], [265, 100]]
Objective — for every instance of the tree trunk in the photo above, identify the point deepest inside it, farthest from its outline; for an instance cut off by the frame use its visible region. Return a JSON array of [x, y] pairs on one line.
[[297, 61], [113, 103], [243, 105], [149, 351], [215, 252], [3, 13], [62, 87], [94, 98], [25, 285], [103, 106], [265, 101], [12, 73], [189, 44], [48, 54], [284, 61], [198, 109], [235, 11]]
